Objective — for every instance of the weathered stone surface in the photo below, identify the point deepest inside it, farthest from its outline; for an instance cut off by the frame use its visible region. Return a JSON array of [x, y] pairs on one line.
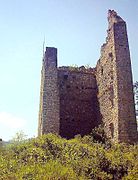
[[75, 100], [49, 94], [78, 102]]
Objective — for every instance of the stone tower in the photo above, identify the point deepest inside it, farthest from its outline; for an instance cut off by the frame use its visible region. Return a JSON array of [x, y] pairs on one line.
[[49, 94], [75, 100]]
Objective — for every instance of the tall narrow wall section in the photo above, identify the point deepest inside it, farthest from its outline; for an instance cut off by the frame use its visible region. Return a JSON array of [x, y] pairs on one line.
[[49, 94], [114, 81]]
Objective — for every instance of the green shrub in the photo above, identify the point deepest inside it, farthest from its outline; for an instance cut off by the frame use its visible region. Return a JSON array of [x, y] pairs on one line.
[[50, 170], [52, 157]]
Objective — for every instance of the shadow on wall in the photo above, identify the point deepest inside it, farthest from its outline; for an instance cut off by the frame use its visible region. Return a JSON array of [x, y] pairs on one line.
[[78, 114]]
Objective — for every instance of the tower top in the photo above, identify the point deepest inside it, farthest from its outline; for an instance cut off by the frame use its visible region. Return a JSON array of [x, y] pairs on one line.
[[50, 57], [50, 51], [113, 18]]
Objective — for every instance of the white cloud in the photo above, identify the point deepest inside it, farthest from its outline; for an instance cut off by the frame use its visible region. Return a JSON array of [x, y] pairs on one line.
[[11, 124], [11, 121]]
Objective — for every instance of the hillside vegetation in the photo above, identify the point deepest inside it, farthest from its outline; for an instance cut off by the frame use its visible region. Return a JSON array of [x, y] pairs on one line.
[[51, 157]]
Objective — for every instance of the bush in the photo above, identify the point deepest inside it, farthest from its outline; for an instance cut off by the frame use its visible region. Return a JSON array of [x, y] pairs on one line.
[[52, 157]]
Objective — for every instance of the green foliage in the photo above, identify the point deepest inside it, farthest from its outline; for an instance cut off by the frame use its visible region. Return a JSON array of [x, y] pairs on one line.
[[98, 134], [19, 136], [75, 67], [51, 157]]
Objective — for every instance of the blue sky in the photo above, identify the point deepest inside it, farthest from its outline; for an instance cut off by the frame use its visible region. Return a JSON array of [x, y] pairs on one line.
[[76, 27]]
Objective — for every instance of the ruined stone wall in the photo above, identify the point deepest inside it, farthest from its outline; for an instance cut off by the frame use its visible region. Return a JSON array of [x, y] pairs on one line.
[[78, 102], [75, 100], [127, 127], [49, 94], [114, 81], [107, 85]]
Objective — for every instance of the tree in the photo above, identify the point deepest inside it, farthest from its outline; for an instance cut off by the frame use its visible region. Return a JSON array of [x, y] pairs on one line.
[[19, 137]]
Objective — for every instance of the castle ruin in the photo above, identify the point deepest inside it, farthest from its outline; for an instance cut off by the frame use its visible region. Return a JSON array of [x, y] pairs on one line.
[[76, 100]]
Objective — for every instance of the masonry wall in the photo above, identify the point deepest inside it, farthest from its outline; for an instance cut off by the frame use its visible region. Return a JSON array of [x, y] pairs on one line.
[[107, 87], [75, 100], [114, 81], [127, 127], [49, 94], [78, 102]]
